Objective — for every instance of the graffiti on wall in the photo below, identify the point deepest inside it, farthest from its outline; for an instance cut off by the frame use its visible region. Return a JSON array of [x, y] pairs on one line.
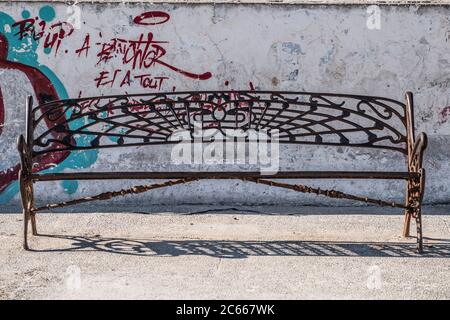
[[18, 55], [135, 57], [120, 62]]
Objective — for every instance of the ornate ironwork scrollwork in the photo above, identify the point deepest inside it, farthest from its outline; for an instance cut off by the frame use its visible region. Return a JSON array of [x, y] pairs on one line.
[[300, 117]]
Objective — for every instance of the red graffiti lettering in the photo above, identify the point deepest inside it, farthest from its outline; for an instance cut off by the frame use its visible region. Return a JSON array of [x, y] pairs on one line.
[[126, 80], [85, 47], [27, 28], [105, 78], [152, 18], [60, 30], [143, 53], [146, 81], [444, 115], [54, 34]]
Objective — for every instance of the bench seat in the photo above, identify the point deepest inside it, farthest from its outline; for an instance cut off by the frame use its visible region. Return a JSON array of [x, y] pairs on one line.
[[226, 175]]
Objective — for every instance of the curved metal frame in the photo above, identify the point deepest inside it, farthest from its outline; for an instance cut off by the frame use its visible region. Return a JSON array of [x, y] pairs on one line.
[[304, 118], [150, 119]]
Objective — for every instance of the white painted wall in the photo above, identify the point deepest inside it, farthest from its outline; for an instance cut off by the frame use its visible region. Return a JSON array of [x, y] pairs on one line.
[[295, 47]]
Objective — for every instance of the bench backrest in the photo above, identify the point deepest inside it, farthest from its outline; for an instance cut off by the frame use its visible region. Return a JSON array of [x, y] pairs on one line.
[[147, 119]]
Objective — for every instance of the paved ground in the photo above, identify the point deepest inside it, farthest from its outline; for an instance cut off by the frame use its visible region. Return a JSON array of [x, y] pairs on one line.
[[224, 255]]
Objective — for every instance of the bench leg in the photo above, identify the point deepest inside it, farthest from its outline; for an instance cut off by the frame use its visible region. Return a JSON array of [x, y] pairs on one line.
[[414, 196], [407, 223], [419, 230], [26, 218], [408, 213], [26, 190], [418, 211], [33, 223]]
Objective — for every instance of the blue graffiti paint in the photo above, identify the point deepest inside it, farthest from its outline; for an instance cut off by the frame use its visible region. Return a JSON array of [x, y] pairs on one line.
[[47, 13], [292, 48], [25, 14], [327, 57], [25, 52]]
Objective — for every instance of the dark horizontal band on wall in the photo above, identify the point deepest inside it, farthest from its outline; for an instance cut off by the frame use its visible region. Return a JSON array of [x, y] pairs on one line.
[[225, 175]]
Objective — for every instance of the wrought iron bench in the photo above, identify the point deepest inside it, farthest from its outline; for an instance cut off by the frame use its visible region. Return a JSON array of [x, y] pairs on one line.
[[151, 119]]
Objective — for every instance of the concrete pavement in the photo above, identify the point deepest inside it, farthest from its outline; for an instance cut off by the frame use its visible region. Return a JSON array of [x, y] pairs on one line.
[[224, 254]]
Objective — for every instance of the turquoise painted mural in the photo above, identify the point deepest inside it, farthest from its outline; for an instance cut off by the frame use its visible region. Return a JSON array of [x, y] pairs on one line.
[[19, 43]]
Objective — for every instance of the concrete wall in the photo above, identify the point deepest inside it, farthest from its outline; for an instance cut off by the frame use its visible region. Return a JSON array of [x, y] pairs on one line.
[[229, 46]]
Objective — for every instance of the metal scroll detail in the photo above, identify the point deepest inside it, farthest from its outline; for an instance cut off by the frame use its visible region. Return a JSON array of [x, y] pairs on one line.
[[298, 117]]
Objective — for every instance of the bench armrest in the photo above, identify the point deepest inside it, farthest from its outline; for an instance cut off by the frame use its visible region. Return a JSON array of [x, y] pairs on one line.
[[25, 155], [416, 157]]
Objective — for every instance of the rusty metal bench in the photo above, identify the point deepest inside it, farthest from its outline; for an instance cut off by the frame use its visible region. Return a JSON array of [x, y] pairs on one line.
[[150, 119]]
